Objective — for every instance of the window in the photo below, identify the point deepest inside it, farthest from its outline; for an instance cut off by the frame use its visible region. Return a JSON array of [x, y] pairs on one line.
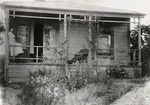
[[104, 44], [23, 35], [105, 39]]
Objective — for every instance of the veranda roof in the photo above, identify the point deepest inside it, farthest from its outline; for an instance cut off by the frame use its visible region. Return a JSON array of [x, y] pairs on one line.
[[70, 7]]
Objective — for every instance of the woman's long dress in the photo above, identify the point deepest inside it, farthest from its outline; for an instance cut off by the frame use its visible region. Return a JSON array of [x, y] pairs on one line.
[[17, 49]]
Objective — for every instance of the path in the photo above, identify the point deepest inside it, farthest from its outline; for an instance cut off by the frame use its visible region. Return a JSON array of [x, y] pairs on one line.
[[9, 96], [138, 96]]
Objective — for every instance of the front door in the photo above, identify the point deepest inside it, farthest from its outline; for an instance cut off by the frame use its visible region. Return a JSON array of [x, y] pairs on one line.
[[38, 37]]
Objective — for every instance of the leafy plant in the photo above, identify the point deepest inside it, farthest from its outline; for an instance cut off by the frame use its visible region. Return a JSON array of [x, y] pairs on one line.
[[118, 73], [43, 88]]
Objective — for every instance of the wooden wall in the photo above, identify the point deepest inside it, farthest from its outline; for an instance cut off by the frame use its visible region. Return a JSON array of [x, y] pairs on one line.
[[77, 37], [77, 34], [121, 42], [20, 72], [120, 45]]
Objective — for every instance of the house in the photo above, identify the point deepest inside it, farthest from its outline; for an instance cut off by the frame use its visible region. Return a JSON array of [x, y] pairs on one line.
[[55, 34]]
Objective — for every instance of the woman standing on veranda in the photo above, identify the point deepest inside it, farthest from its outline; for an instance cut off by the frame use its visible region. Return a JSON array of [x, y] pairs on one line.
[[14, 51]]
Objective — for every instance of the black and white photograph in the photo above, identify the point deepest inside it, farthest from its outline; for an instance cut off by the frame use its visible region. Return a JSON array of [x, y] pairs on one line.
[[67, 52]]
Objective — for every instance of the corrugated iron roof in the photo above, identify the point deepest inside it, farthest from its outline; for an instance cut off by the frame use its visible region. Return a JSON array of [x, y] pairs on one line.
[[69, 6]]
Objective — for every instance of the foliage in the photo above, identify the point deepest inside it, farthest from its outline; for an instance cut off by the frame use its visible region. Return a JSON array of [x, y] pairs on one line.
[[145, 31], [1, 27], [116, 90], [82, 78], [145, 48], [145, 52], [43, 88], [99, 93], [84, 75], [118, 73]]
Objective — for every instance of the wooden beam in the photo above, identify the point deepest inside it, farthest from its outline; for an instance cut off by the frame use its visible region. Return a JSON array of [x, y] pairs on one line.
[[6, 44], [90, 38], [59, 17], [139, 41], [14, 14], [36, 17], [75, 12], [66, 46], [32, 37], [97, 39], [112, 21], [82, 20]]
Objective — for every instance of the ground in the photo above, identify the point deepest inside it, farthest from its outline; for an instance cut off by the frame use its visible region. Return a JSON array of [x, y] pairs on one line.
[[138, 96], [9, 96]]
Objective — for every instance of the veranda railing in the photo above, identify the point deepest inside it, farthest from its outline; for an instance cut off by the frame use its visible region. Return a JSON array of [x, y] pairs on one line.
[[36, 55], [56, 55]]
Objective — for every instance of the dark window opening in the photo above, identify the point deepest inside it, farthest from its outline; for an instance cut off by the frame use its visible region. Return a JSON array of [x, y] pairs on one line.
[[38, 37]]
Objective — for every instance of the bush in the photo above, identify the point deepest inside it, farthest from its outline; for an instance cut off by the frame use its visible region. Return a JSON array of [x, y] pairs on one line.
[[80, 79], [84, 76], [118, 73], [116, 91], [43, 88]]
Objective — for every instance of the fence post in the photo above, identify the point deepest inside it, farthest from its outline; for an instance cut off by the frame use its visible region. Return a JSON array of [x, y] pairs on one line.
[[37, 55], [139, 42], [6, 44], [90, 38]]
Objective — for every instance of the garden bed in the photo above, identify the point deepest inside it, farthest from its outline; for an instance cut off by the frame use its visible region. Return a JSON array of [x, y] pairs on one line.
[[47, 88], [100, 94]]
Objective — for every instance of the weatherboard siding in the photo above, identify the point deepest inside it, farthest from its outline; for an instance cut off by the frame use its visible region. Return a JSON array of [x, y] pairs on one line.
[[77, 40], [20, 72], [121, 42]]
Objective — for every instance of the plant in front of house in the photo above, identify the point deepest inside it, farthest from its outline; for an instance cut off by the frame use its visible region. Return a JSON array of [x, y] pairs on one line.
[[118, 73], [42, 88], [45, 87]]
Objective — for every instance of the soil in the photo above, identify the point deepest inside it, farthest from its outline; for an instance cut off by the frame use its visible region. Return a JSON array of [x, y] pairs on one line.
[[138, 96], [9, 96]]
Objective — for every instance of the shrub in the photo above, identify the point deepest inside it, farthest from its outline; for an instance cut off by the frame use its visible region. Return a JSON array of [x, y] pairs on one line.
[[84, 76], [118, 73], [43, 88], [80, 79]]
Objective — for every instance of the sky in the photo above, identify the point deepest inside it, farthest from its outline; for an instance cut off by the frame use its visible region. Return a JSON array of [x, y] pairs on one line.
[[142, 6]]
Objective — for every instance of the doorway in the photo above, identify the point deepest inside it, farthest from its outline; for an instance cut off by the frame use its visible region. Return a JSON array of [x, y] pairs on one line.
[[38, 37]]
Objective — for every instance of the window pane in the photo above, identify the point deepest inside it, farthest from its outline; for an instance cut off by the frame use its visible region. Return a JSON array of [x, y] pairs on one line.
[[104, 43]]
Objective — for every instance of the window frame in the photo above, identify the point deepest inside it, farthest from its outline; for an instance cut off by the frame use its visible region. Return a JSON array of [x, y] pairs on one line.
[[104, 34]]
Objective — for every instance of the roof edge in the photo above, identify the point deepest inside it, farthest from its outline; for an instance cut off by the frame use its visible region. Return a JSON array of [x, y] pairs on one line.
[[136, 14]]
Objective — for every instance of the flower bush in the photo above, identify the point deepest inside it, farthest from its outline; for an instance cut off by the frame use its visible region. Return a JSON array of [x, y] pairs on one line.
[[118, 73], [46, 87], [84, 76], [43, 88]]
